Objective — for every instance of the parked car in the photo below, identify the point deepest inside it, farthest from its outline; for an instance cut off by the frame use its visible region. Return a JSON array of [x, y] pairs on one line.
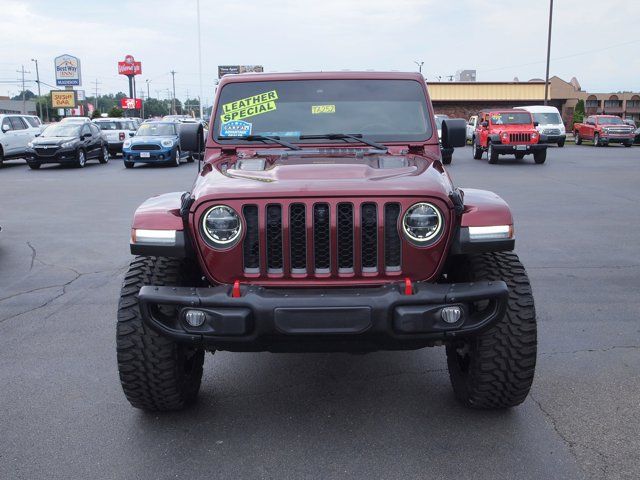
[[508, 132], [630, 121], [115, 131], [296, 237], [603, 130], [16, 131], [471, 127], [72, 143], [155, 142], [75, 119], [177, 118], [439, 119], [550, 125]]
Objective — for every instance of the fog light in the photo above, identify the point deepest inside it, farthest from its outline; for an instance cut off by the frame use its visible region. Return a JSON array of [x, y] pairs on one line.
[[195, 318], [451, 314]]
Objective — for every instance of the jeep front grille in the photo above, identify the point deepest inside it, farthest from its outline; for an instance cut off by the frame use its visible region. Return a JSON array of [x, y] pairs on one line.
[[519, 137], [322, 239]]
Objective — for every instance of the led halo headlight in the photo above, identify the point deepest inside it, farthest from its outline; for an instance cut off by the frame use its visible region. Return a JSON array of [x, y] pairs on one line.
[[221, 226], [422, 223]]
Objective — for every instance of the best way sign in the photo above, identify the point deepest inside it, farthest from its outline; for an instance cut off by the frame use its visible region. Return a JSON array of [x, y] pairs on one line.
[[67, 70]]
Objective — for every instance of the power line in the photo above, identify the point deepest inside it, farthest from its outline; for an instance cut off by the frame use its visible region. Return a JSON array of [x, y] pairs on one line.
[[24, 101]]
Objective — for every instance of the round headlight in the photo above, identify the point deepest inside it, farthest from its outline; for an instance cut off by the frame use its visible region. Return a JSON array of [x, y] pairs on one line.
[[167, 143], [221, 226], [126, 144], [422, 223]]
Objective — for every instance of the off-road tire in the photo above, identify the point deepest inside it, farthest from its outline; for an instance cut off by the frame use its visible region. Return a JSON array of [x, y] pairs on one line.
[[477, 150], [519, 155], [492, 155], [495, 368], [577, 139], [540, 156], [561, 143], [156, 373], [596, 140]]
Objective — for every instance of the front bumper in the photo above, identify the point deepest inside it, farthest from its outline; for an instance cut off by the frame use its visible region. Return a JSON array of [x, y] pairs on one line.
[[503, 148], [162, 155], [545, 138], [61, 155], [343, 319], [609, 138]]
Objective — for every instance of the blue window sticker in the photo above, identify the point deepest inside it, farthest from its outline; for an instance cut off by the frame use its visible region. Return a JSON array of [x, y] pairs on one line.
[[235, 128]]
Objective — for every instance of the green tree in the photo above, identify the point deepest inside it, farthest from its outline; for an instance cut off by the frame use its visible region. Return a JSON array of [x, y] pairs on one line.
[[28, 95], [95, 114], [116, 112], [578, 112], [155, 108]]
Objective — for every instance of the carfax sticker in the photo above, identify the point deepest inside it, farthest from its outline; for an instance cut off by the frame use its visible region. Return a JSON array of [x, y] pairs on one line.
[[316, 109], [250, 106], [235, 128]]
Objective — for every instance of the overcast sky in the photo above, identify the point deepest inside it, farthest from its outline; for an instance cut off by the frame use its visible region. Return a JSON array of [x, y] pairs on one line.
[[596, 41]]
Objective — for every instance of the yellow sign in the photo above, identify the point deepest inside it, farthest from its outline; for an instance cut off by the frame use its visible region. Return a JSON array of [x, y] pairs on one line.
[[250, 106], [316, 109], [63, 99]]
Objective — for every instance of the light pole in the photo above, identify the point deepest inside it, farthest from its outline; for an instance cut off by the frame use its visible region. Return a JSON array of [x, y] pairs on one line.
[[38, 82], [419, 65], [546, 78], [148, 95], [199, 56], [173, 99]]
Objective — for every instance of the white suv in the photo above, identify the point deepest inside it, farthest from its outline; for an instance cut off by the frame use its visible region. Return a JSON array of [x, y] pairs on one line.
[[16, 131], [115, 131]]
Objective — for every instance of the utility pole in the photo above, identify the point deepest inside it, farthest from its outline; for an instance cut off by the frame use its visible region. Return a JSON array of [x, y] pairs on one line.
[[199, 57], [546, 78], [148, 94], [173, 99], [38, 82], [141, 95], [419, 65], [97, 100], [24, 101]]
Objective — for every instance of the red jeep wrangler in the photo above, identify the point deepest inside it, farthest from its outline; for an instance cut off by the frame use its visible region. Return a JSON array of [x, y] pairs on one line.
[[603, 130], [507, 132], [322, 220]]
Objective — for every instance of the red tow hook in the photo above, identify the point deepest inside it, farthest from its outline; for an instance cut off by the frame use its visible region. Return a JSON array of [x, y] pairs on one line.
[[235, 292], [408, 286]]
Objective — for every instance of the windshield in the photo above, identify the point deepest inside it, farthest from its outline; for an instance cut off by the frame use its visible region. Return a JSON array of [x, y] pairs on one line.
[[112, 125], [61, 130], [547, 118], [156, 129], [381, 110], [610, 121], [511, 118]]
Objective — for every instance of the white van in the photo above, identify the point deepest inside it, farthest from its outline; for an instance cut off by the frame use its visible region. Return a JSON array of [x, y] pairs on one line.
[[550, 124]]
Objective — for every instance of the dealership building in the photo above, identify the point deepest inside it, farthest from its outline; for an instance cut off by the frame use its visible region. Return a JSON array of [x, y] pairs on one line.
[[15, 106], [463, 99]]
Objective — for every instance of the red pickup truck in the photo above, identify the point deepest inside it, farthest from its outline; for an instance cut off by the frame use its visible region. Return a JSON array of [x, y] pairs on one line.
[[603, 130]]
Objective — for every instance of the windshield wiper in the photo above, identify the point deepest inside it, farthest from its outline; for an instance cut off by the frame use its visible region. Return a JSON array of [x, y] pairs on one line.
[[343, 136], [263, 138]]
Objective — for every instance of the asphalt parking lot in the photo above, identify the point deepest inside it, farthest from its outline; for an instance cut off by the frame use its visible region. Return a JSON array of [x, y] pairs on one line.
[[63, 253]]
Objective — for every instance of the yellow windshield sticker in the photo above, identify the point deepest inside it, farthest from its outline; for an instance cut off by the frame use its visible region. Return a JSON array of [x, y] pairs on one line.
[[249, 107], [316, 109]]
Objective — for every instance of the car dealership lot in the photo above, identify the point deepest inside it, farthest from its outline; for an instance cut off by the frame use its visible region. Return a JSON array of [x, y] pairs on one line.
[[64, 249]]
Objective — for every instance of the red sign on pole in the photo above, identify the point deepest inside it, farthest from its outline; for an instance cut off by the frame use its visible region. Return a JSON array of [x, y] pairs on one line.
[[131, 103], [129, 66]]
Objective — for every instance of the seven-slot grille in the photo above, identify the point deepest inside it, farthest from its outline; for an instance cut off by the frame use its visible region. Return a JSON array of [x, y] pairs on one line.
[[322, 239], [519, 137]]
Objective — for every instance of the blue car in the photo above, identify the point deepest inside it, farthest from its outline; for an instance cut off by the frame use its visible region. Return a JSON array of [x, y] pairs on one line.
[[155, 142]]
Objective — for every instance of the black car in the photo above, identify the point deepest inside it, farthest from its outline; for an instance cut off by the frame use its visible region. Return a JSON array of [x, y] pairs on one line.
[[67, 143]]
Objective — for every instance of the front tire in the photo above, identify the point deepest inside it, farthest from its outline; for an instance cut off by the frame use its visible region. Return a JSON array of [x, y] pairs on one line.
[[176, 160], [477, 151], [492, 154], [81, 160], [596, 140], [577, 139], [156, 373], [628, 144], [104, 155], [495, 369], [561, 144], [128, 164], [33, 165], [540, 156]]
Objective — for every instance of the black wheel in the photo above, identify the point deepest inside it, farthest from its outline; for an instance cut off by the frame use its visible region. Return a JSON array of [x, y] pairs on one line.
[[561, 143], [446, 159], [33, 165], [104, 155], [628, 144], [156, 373], [540, 156], [596, 140], [477, 151], [519, 155], [492, 154], [81, 159], [128, 164], [495, 369], [577, 138]]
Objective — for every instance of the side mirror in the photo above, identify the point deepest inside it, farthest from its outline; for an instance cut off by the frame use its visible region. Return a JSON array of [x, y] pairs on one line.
[[454, 132], [5, 128], [131, 134], [485, 124], [535, 124], [38, 134]]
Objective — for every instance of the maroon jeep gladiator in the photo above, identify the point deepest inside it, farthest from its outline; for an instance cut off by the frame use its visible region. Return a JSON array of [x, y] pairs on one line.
[[603, 130], [322, 220], [507, 132]]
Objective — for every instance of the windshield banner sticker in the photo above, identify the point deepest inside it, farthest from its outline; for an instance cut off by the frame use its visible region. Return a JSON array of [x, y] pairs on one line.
[[249, 107], [316, 109], [235, 128]]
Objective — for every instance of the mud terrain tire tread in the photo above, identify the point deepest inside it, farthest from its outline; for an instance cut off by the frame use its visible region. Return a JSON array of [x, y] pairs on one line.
[[156, 373], [503, 358]]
